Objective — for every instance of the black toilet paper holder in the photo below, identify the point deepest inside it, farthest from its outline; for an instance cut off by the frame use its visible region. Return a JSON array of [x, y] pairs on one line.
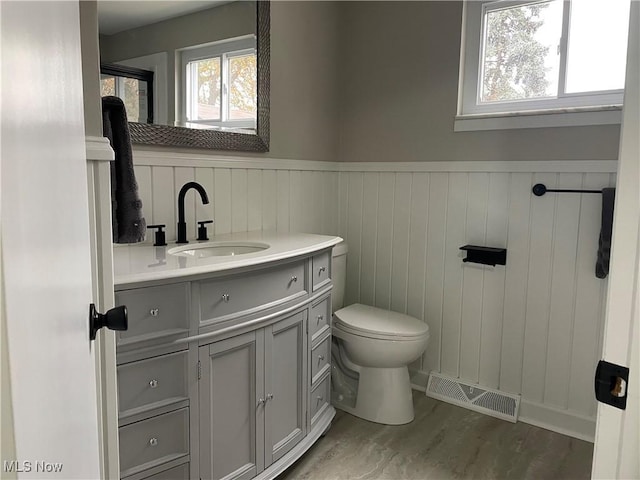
[[485, 255]]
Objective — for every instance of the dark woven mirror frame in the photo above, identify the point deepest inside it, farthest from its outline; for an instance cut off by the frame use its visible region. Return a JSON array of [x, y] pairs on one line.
[[149, 134]]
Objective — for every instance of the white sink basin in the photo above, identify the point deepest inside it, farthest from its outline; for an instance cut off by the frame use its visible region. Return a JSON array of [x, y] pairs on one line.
[[218, 249]]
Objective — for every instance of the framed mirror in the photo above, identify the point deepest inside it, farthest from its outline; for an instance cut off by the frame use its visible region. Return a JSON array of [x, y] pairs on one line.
[[210, 65]]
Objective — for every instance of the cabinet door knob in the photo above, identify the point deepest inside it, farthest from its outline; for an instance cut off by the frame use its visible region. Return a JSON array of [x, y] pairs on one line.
[[321, 270], [294, 278], [320, 318], [261, 401], [319, 398], [320, 358], [154, 312], [153, 442], [226, 297], [153, 383], [270, 396]]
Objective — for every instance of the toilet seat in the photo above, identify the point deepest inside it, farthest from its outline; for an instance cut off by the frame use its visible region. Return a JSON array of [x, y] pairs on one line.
[[371, 322]]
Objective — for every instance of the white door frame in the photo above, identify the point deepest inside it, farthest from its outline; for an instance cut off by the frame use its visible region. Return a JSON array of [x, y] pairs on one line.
[[99, 154], [616, 449]]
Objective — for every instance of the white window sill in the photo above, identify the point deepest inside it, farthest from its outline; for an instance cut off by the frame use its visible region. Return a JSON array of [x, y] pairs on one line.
[[564, 117]]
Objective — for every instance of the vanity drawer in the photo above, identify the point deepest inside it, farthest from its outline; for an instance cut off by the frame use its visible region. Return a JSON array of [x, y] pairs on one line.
[[152, 383], [231, 296], [154, 441], [154, 312], [321, 264], [320, 356], [320, 318], [181, 472], [320, 397]]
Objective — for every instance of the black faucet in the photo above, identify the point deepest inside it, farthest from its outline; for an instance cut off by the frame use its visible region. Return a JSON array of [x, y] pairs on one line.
[[182, 226]]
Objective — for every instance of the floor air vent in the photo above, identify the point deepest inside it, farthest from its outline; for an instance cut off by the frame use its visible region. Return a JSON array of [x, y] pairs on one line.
[[474, 397]]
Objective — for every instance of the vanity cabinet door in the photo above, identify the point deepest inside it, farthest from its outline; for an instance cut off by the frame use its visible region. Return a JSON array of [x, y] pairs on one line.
[[231, 416], [285, 380]]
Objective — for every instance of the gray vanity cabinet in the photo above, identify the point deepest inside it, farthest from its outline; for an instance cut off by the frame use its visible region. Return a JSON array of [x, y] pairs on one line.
[[252, 399], [225, 375]]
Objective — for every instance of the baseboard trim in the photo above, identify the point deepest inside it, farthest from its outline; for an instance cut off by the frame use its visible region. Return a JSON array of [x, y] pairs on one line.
[[559, 421], [173, 159]]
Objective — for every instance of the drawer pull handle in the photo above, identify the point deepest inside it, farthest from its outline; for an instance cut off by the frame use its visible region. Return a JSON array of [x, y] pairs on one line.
[[154, 312], [270, 396], [321, 270], [319, 398], [226, 297], [320, 318], [320, 358], [153, 383], [153, 442], [294, 278]]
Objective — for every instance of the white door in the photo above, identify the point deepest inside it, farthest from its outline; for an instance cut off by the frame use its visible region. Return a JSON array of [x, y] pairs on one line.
[[45, 245], [616, 452]]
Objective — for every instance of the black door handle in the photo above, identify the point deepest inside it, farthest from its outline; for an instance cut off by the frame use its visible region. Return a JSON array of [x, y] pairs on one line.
[[114, 319]]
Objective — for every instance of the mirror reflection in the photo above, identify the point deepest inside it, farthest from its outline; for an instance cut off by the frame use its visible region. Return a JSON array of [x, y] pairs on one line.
[[201, 56]]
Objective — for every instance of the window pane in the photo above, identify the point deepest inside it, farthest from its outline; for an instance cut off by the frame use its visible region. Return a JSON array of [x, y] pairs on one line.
[[520, 57], [243, 91], [205, 89], [131, 99], [107, 86], [597, 51]]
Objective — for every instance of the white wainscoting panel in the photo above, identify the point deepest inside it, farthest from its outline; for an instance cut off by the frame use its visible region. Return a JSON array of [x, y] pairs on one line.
[[241, 199], [532, 327]]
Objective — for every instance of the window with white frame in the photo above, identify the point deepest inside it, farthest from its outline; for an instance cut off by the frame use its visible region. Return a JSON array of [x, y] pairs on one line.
[[219, 85], [524, 56]]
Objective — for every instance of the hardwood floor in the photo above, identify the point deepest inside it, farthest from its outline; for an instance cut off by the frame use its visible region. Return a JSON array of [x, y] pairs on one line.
[[443, 442]]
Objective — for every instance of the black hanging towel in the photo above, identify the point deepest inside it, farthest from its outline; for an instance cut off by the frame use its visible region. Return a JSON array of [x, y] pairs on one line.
[[129, 225], [606, 229]]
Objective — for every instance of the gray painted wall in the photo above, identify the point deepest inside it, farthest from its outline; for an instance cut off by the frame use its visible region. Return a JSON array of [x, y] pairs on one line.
[[378, 81], [304, 89], [90, 68], [398, 76]]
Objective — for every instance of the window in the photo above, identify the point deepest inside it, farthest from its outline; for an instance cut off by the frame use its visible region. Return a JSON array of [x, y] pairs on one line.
[[543, 55], [133, 85], [220, 85]]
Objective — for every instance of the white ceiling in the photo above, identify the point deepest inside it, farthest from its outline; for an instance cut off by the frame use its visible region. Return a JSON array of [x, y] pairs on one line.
[[118, 15]]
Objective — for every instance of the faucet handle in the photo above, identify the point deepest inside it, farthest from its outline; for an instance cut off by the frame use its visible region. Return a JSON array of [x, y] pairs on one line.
[[202, 229], [160, 235]]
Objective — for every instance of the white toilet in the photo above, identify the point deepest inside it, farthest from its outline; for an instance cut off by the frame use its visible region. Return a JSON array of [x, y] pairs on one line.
[[374, 348]]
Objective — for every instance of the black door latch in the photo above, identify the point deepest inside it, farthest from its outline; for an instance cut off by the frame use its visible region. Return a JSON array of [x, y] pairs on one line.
[[612, 384]]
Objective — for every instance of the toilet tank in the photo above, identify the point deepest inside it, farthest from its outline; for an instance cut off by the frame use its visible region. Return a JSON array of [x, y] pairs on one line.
[[339, 275]]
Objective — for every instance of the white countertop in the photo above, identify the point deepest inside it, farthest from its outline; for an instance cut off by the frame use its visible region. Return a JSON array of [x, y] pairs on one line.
[[143, 262]]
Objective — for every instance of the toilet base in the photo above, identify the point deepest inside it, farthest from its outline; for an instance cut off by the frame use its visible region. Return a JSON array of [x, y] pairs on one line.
[[384, 396]]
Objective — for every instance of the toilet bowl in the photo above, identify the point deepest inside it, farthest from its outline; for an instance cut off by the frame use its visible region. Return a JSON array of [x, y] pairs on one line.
[[373, 350], [379, 345]]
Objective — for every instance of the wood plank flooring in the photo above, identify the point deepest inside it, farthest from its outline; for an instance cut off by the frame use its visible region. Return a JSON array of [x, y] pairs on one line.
[[443, 442]]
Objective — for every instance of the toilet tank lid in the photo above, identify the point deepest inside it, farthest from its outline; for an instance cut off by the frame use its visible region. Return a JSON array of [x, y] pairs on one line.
[[375, 320], [340, 249]]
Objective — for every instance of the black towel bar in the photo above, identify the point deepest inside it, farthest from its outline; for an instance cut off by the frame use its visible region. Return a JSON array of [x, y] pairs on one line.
[[540, 189]]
